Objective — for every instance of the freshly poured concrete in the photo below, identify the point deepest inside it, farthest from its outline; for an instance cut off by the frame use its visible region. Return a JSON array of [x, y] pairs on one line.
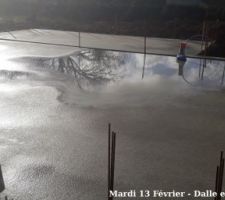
[[53, 134]]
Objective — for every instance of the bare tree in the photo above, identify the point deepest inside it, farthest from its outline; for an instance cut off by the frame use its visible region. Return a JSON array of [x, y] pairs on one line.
[[90, 67]]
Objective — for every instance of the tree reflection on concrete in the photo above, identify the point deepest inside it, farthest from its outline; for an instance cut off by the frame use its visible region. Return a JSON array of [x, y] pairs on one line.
[[89, 67]]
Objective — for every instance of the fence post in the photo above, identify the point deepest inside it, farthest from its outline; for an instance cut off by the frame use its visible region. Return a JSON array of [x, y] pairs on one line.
[[79, 39], [143, 71]]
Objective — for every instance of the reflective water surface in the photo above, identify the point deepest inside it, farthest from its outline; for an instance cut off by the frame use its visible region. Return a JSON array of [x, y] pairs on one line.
[[54, 113]]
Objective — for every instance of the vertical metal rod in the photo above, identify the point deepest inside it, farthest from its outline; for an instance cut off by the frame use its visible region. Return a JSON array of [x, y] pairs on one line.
[[217, 179], [2, 184], [200, 68], [109, 160], [222, 81], [79, 38], [205, 62], [116, 30], [206, 40], [203, 36], [145, 45], [203, 70], [203, 47], [206, 45], [221, 169], [222, 173], [143, 71], [113, 159]]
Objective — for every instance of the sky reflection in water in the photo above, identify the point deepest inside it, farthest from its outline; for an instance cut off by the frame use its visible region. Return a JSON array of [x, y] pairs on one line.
[[95, 67]]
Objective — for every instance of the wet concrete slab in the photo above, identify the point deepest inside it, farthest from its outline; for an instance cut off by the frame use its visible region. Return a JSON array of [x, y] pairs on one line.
[[54, 113]]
